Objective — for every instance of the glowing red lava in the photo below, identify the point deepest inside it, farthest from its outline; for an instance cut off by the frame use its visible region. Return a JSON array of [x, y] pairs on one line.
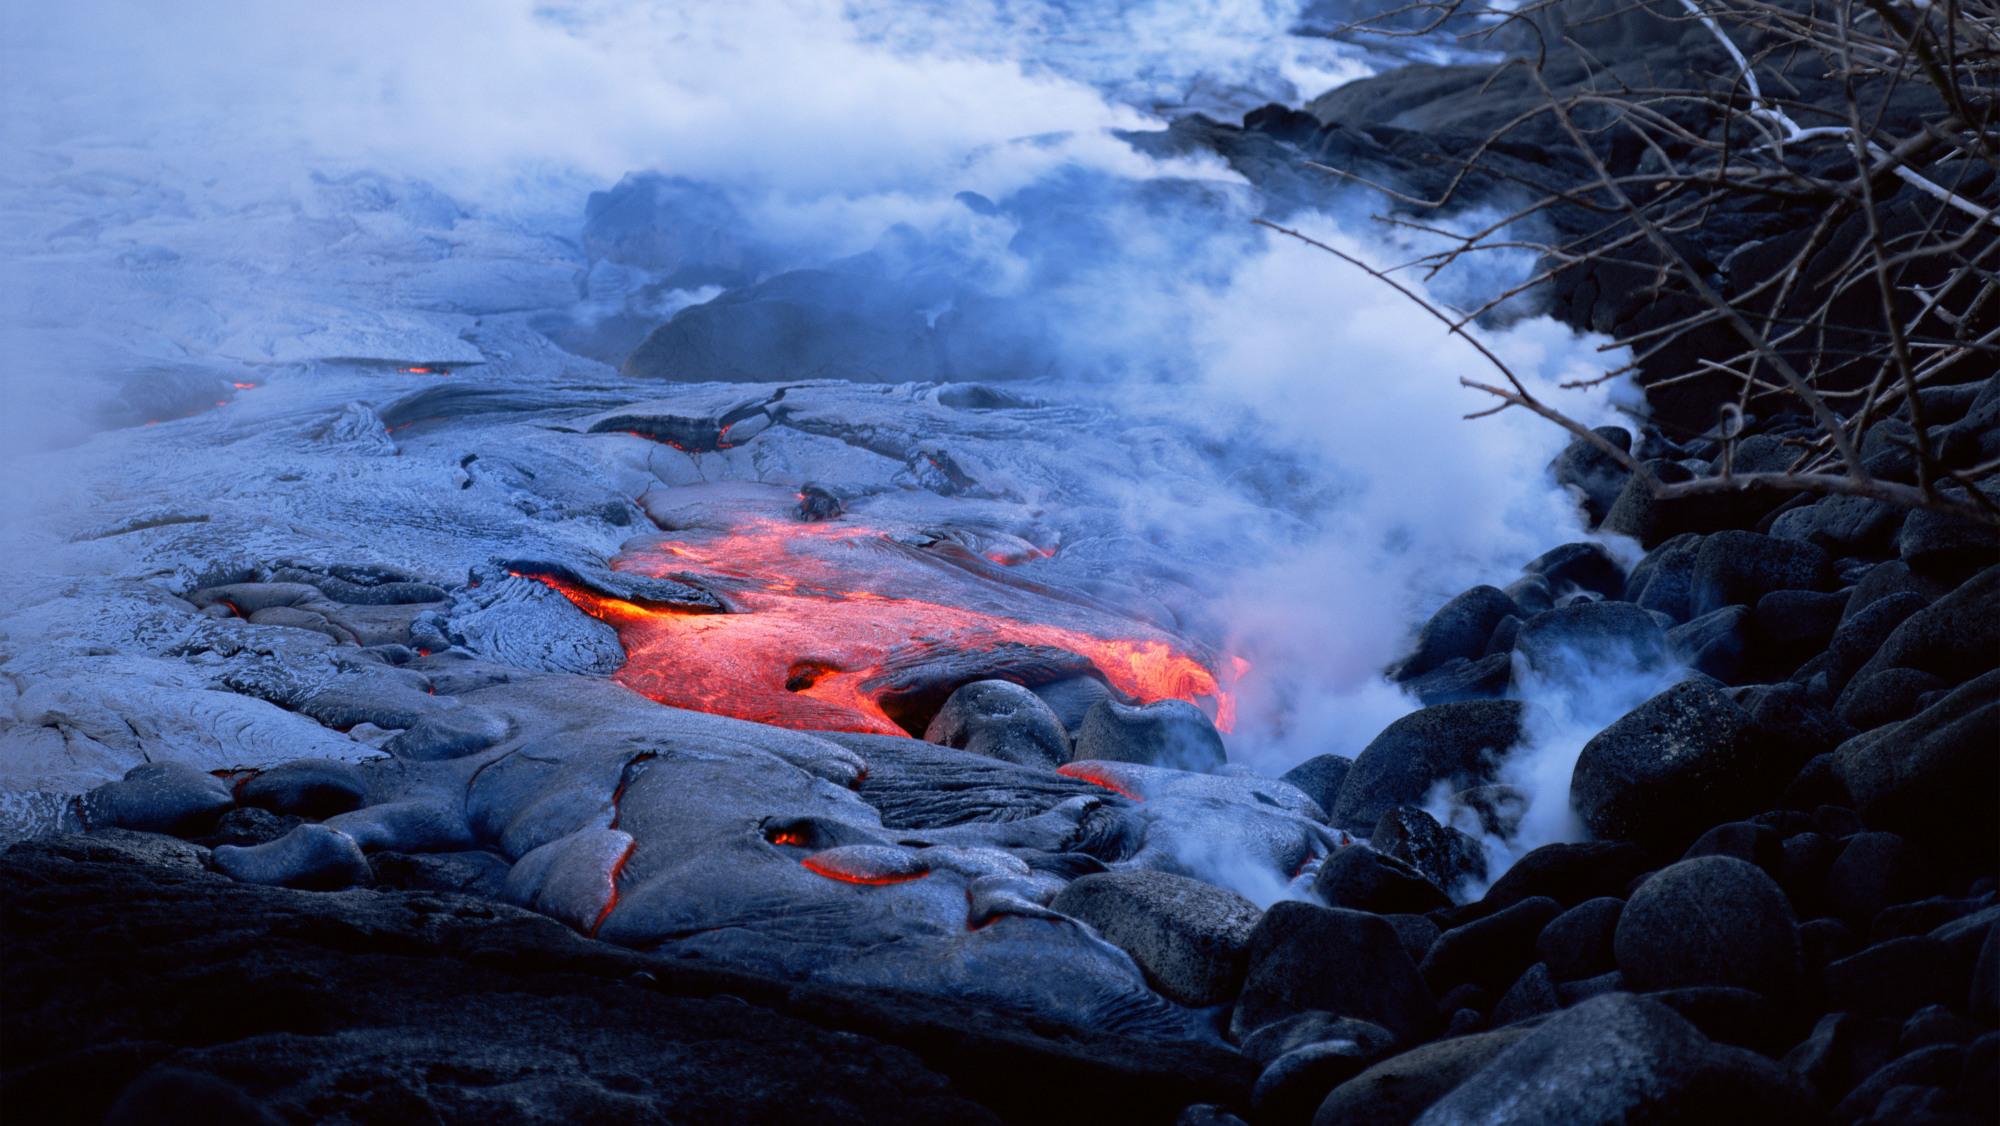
[[1087, 772], [824, 617], [871, 879]]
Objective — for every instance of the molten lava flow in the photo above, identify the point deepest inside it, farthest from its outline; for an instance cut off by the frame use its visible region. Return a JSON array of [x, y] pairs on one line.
[[825, 616], [1088, 772], [818, 867]]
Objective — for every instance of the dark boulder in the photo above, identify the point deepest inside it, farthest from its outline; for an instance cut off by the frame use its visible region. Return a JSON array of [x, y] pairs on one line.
[[1894, 978], [1591, 473], [1716, 643], [1956, 637], [1842, 525], [1675, 765], [1728, 1014], [1397, 1090], [1459, 679], [1000, 719], [1933, 777], [1489, 952], [1444, 856], [1874, 871], [1621, 1058], [1344, 962], [1577, 943], [1310, 1027], [1533, 994], [1568, 873], [1293, 1085], [1713, 920], [1171, 733], [1736, 568], [1579, 566], [158, 797], [1653, 520], [1862, 632], [1498, 809], [1946, 544], [1456, 742], [1664, 580], [1361, 879], [1458, 630], [1321, 777], [1072, 698], [1576, 644], [1191, 938], [1759, 844], [1789, 626], [1885, 696]]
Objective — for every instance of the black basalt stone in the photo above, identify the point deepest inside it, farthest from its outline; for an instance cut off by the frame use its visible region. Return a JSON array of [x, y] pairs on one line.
[[1443, 855], [1397, 1090], [1713, 920], [1580, 566], [1716, 643], [1664, 579], [1359, 878], [1458, 630], [1738, 568], [1933, 777], [1460, 679], [1321, 777], [1000, 719], [1575, 644], [1577, 943], [1873, 871], [1894, 978], [1456, 742], [1671, 767], [1568, 873], [1344, 962], [1489, 952], [1172, 733], [1621, 1058], [1596, 476]]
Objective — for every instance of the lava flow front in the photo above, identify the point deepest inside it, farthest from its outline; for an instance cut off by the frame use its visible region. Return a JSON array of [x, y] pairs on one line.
[[838, 627]]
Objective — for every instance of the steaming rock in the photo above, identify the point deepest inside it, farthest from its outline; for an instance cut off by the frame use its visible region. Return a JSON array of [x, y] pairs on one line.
[[1714, 920], [1577, 943], [1170, 733], [1458, 630], [1400, 1088], [816, 503], [1191, 938], [1489, 952], [1738, 568], [1444, 856], [1320, 777], [1614, 1059], [1574, 644], [1580, 566], [1595, 475], [1456, 742], [1497, 809], [1669, 768], [1343, 962], [1362, 879], [1459, 679], [1000, 719]]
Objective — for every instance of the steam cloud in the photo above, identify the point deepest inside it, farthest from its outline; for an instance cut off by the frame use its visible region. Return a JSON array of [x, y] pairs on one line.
[[1350, 497]]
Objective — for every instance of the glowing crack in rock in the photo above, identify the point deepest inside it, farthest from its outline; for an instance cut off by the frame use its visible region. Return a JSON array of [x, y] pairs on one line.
[[828, 622]]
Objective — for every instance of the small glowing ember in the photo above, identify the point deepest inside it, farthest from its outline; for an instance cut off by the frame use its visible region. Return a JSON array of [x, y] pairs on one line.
[[822, 615], [243, 386]]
